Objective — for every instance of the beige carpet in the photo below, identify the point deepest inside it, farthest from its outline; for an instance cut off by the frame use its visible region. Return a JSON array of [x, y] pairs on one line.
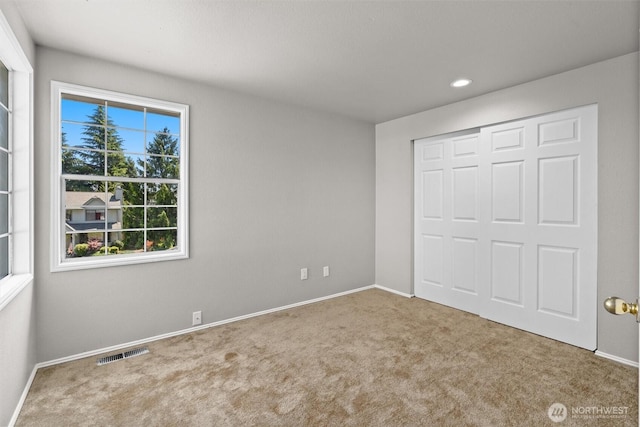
[[365, 359]]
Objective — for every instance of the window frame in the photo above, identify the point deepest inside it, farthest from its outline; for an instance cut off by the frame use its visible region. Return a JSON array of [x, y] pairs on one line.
[[21, 213], [9, 189], [59, 262]]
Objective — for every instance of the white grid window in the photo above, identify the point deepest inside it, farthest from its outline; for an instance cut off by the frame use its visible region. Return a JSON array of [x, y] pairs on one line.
[[5, 173], [120, 178], [16, 166]]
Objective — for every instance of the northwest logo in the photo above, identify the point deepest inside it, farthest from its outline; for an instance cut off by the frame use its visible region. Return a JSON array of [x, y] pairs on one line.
[[557, 412]]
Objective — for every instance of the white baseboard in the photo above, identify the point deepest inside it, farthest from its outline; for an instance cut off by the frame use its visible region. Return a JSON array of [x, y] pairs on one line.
[[193, 329], [617, 359], [25, 392], [393, 291]]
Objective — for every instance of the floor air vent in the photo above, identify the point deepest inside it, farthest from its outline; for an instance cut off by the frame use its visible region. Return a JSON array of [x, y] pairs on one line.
[[124, 355]]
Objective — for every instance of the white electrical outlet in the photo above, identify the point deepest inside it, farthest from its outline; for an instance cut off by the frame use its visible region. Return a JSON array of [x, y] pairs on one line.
[[325, 271], [197, 318], [304, 273]]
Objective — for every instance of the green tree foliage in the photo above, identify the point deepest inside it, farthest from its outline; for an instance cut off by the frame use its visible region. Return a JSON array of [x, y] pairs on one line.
[[99, 136], [73, 165], [101, 141], [162, 162], [133, 194]]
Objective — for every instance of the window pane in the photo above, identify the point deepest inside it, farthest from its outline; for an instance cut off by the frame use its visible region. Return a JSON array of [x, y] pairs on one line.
[[72, 135], [86, 111], [162, 194], [132, 141], [162, 217], [73, 185], [115, 239], [114, 140], [133, 194], [4, 171], [163, 144], [136, 164], [131, 117], [163, 167], [4, 85], [82, 195], [94, 136], [4, 128], [83, 162], [96, 240], [4, 213], [161, 240], [157, 122], [72, 240], [120, 165], [4, 256], [84, 244], [132, 217], [133, 241]]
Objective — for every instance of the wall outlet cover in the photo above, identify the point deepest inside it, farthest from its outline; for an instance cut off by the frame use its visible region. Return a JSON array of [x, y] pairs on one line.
[[197, 318]]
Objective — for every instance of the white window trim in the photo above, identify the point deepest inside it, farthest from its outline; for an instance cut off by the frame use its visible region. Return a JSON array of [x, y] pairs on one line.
[[21, 215], [58, 247]]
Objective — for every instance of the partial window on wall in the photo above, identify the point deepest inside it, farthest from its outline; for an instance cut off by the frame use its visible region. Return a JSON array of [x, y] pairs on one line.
[[16, 166], [120, 178], [5, 162]]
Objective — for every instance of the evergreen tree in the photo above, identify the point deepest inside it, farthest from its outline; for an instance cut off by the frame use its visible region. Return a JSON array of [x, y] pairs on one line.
[[71, 164], [162, 162], [98, 137], [133, 195]]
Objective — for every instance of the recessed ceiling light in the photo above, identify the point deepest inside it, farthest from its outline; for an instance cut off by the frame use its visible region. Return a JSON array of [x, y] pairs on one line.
[[460, 83]]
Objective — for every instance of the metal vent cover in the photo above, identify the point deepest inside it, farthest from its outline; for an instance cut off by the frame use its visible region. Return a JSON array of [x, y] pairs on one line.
[[124, 355]]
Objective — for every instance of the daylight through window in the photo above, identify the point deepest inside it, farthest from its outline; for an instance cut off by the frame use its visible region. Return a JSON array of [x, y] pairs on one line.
[[122, 178], [5, 163]]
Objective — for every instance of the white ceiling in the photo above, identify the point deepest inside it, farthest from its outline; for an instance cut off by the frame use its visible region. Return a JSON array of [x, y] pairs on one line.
[[373, 60]]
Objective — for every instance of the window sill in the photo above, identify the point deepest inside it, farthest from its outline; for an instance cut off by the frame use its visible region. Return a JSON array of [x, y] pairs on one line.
[[10, 287], [117, 260]]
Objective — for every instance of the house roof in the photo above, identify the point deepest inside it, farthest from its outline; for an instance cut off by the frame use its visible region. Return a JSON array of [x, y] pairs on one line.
[[87, 199]]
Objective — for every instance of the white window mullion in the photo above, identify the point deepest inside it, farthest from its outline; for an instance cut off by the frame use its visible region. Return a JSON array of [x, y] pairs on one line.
[[146, 189], [121, 179]]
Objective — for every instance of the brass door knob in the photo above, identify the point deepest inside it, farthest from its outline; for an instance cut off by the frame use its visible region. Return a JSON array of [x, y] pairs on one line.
[[615, 305]]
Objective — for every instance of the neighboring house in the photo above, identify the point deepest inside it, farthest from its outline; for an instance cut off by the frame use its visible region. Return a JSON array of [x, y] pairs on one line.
[[88, 212]]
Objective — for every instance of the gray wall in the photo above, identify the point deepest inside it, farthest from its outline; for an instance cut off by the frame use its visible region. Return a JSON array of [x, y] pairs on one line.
[[273, 188], [17, 319], [613, 85], [10, 11], [17, 352]]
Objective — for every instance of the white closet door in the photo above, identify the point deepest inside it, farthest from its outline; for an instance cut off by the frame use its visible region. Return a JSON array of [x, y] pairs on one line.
[[447, 220], [540, 243], [506, 223]]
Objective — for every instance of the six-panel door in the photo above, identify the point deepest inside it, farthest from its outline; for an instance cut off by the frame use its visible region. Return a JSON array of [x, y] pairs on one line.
[[506, 223]]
